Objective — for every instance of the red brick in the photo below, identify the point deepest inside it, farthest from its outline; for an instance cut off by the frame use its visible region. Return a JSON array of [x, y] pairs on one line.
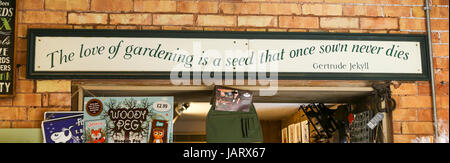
[[21, 44], [356, 10], [442, 89], [414, 102], [404, 138], [424, 115], [417, 128], [379, 23], [27, 100], [442, 114], [397, 11], [76, 5], [216, 20], [439, 24], [439, 12], [5, 101], [13, 113], [26, 124], [441, 75], [154, 6], [412, 24], [440, 2], [30, 4], [413, 2], [440, 50], [383, 2], [53, 86], [405, 89], [339, 22], [21, 57], [197, 7], [404, 115], [173, 19], [137, 19], [321, 9], [88, 18], [239, 8], [397, 127], [47, 17], [38, 113], [424, 89], [257, 21], [444, 37], [299, 22], [418, 12], [280, 9], [112, 5], [51, 26], [5, 124], [25, 86], [442, 102], [59, 99]]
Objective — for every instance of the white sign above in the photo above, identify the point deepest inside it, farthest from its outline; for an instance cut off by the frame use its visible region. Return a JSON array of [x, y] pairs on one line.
[[168, 54]]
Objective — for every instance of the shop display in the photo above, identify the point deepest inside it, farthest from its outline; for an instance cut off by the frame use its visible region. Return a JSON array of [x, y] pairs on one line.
[[63, 130], [128, 119], [229, 99]]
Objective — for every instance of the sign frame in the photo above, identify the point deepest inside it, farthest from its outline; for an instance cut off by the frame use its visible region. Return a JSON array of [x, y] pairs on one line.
[[14, 56], [33, 33]]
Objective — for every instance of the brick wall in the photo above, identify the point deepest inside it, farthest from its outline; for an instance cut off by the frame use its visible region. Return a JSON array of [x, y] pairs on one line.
[[411, 119]]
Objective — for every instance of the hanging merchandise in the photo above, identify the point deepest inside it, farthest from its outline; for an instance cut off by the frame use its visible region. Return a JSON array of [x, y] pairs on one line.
[[321, 118], [128, 119], [359, 131], [236, 121]]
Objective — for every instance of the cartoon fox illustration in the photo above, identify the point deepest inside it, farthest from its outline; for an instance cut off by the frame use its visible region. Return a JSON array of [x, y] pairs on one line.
[[97, 136]]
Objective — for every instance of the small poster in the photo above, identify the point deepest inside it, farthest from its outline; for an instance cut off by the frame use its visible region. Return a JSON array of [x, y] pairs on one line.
[[95, 131], [129, 119], [230, 99], [284, 135], [305, 131], [292, 133], [298, 130], [63, 130], [55, 115]]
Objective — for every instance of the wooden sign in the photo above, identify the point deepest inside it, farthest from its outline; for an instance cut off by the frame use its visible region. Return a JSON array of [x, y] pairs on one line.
[[169, 54], [7, 40]]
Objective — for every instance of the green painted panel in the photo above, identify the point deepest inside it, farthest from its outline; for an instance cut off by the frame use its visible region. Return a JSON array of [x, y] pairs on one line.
[[21, 135]]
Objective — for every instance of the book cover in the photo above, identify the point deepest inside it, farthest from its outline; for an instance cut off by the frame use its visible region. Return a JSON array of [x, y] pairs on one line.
[[95, 131], [130, 119], [63, 130]]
